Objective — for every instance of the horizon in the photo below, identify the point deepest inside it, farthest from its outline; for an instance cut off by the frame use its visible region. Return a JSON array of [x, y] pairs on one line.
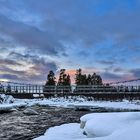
[[100, 36]]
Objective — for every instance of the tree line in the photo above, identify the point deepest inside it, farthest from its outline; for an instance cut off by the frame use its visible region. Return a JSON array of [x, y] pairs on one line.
[[80, 79]]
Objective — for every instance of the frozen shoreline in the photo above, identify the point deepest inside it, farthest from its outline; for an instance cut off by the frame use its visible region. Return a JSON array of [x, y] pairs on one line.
[[98, 126], [71, 103]]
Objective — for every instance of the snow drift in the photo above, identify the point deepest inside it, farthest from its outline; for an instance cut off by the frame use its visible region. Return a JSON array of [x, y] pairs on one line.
[[6, 99], [105, 124], [98, 126]]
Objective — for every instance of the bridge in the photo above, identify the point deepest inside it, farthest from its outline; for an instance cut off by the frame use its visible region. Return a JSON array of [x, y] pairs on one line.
[[129, 89]]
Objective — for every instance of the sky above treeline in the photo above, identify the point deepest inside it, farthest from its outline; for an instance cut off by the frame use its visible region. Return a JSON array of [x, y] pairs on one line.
[[101, 36]]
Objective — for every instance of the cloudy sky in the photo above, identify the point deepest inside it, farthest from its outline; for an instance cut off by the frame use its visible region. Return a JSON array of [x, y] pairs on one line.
[[100, 36]]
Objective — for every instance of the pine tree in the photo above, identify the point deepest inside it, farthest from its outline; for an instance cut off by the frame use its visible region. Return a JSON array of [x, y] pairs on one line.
[[98, 80], [62, 77], [93, 79], [51, 79], [67, 80], [78, 77], [84, 80], [89, 78]]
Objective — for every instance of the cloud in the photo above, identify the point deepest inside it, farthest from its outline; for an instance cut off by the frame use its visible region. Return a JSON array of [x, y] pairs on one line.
[[106, 62], [8, 76], [35, 74], [74, 21], [9, 62], [39, 63], [136, 72], [111, 76], [30, 37], [32, 68], [97, 32]]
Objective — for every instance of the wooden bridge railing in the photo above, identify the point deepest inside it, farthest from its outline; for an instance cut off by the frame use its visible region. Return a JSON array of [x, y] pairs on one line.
[[82, 89]]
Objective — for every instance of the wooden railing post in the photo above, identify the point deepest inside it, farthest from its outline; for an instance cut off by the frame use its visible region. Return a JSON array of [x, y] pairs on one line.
[[36, 88], [29, 89]]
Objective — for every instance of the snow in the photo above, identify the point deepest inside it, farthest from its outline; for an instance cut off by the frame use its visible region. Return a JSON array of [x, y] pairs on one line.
[[99, 126], [65, 131], [104, 124], [4, 107], [6, 99], [72, 103]]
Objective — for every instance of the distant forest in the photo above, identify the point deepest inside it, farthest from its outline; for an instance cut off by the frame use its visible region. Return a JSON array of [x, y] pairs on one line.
[[80, 79]]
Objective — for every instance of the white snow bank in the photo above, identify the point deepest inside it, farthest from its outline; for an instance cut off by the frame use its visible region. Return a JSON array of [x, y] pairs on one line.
[[99, 126], [104, 124], [64, 132], [6, 99], [107, 104], [6, 107], [70, 102], [7, 103]]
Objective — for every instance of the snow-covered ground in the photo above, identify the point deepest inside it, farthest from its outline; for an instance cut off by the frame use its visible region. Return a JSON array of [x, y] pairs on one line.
[[98, 126], [72, 102]]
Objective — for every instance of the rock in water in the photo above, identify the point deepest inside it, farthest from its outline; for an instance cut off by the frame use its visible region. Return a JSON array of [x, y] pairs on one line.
[[30, 111], [82, 108]]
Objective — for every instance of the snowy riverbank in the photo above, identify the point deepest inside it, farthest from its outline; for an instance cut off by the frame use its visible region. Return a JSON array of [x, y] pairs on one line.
[[98, 126], [73, 102], [107, 126]]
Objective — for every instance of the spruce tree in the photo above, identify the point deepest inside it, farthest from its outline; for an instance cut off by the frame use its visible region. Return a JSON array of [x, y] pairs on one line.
[[89, 82], [78, 79], [68, 80], [98, 80], [51, 78], [84, 80], [62, 77], [93, 79]]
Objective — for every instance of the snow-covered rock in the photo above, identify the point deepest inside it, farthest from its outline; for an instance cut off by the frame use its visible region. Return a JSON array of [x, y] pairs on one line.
[[6, 99], [30, 111], [83, 108]]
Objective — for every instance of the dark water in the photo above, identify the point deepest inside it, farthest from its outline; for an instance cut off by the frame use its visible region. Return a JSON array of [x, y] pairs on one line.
[[18, 126]]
